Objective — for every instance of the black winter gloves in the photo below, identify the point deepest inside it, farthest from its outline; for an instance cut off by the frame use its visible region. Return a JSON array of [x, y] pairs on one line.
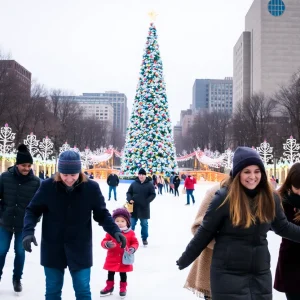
[[120, 239], [27, 242], [179, 266]]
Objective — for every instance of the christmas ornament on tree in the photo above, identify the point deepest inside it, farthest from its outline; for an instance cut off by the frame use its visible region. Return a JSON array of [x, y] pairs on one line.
[[149, 142]]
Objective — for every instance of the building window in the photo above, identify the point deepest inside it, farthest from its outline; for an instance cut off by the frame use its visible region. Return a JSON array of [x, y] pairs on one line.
[[276, 7]]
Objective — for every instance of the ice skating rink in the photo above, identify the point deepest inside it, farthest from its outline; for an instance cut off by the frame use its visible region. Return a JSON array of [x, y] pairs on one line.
[[155, 274]]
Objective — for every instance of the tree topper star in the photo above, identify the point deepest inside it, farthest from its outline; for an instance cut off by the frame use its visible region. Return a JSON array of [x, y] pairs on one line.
[[153, 15]]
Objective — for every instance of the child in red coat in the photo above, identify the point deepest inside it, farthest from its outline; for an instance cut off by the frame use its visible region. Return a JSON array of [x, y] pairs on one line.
[[113, 262]]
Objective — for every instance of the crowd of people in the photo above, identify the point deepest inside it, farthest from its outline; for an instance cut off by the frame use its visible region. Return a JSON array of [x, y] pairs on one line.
[[229, 250]]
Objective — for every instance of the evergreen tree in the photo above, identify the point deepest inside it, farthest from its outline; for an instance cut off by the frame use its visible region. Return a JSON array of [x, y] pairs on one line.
[[149, 140]]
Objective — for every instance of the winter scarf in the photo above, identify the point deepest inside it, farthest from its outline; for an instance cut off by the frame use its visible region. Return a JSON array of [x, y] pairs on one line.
[[198, 280]]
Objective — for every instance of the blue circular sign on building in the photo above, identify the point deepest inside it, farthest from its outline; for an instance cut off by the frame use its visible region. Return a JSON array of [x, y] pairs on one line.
[[276, 7]]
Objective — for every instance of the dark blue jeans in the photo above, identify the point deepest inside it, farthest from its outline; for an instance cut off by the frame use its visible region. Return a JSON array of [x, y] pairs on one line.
[[112, 188], [144, 226], [55, 281], [5, 240], [189, 193]]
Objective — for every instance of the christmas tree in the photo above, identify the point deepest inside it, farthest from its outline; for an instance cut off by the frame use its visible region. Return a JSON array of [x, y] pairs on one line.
[[149, 141]]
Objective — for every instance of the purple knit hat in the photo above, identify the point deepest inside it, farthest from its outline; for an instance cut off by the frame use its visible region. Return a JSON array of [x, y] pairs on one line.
[[122, 212]]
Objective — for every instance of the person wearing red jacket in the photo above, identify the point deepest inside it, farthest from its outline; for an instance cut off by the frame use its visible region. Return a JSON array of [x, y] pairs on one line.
[[113, 262], [189, 183]]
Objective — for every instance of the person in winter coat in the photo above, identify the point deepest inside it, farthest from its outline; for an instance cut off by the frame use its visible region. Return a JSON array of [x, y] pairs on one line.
[[189, 185], [17, 187], [172, 183], [160, 184], [198, 280], [239, 217], [176, 182], [287, 277], [113, 182], [114, 262], [141, 193], [67, 202]]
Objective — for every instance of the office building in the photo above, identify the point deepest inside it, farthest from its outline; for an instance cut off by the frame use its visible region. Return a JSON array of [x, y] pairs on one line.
[[118, 101], [11, 72], [212, 95], [267, 53]]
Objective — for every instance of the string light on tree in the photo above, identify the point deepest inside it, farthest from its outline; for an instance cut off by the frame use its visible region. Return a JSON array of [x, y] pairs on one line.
[[45, 150], [32, 144], [227, 159], [75, 149], [149, 141], [64, 147], [86, 158], [265, 152], [291, 148], [6, 143]]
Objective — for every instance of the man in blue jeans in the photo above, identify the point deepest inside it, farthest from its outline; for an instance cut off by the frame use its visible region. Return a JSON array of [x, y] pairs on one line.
[[67, 203], [17, 187], [113, 182], [141, 193]]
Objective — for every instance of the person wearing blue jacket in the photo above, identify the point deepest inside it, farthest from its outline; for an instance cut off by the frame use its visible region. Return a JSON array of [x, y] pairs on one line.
[[66, 203]]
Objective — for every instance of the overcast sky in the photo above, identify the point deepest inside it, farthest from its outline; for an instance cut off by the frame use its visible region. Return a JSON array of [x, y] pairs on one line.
[[97, 45]]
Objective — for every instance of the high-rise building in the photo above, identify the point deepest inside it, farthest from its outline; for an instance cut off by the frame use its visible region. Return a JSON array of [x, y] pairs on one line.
[[12, 72], [268, 53], [212, 94], [117, 100], [101, 112]]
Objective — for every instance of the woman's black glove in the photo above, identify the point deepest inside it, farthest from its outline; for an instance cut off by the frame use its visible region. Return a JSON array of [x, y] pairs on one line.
[[27, 242], [120, 238]]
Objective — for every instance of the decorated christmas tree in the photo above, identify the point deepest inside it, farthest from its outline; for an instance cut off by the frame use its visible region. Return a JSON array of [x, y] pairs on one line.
[[149, 142]]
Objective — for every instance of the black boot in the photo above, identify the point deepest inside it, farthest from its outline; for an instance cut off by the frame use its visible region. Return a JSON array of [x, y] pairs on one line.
[[145, 242], [17, 286]]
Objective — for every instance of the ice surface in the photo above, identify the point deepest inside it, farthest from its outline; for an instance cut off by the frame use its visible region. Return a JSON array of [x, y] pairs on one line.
[[155, 274]]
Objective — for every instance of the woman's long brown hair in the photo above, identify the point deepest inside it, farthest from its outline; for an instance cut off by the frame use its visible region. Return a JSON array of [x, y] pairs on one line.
[[292, 179], [241, 213]]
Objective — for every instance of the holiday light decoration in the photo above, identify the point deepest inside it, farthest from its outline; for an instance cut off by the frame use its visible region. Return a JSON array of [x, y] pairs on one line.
[[7, 138], [265, 151], [32, 144], [227, 159], [291, 148], [149, 141], [64, 147]]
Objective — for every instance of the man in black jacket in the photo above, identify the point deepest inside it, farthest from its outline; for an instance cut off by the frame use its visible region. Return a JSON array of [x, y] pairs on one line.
[[141, 192], [17, 187], [113, 182]]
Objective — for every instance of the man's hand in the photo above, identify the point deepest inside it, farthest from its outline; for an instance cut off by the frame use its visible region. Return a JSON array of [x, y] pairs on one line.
[[120, 239], [131, 201], [27, 242]]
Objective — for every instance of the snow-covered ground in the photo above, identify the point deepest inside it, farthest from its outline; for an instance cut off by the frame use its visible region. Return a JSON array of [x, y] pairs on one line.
[[155, 273]]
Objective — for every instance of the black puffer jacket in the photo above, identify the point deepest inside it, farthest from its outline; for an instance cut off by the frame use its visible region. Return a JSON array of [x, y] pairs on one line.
[[16, 191], [240, 268], [113, 180], [142, 194]]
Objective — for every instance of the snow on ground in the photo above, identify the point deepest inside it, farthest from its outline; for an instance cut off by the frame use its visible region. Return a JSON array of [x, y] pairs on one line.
[[155, 273]]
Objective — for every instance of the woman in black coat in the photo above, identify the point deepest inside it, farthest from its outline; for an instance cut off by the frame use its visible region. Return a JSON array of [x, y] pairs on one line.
[[239, 217], [67, 202], [287, 277], [176, 182]]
